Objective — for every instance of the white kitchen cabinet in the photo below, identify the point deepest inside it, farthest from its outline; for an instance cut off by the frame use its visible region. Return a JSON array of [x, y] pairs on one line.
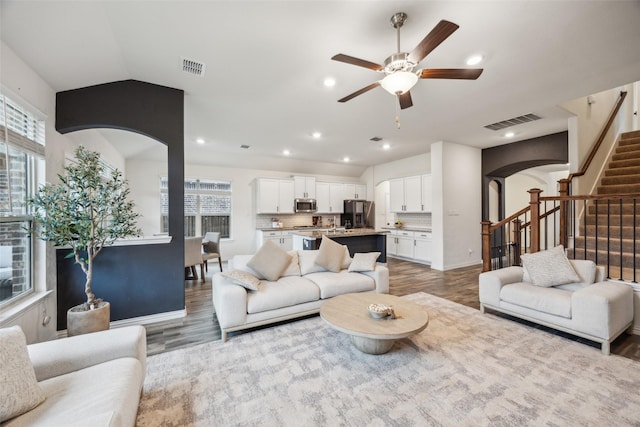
[[400, 243], [411, 194], [284, 239], [274, 196], [329, 197], [304, 187], [427, 193], [355, 191], [422, 246]]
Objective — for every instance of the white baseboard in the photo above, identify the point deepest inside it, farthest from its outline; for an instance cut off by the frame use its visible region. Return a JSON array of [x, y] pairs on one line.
[[141, 320]]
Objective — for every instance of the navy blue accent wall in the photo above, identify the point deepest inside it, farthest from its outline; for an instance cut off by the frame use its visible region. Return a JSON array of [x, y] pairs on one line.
[[136, 280]]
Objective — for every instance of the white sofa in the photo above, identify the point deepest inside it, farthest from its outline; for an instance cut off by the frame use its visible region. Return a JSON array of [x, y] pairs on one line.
[[297, 294], [88, 380], [595, 309]]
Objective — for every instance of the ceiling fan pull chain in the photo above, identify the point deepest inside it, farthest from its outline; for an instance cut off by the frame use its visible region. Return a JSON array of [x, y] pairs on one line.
[[397, 116]]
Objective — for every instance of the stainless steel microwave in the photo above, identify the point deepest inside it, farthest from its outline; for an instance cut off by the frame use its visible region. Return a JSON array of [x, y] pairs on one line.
[[305, 205]]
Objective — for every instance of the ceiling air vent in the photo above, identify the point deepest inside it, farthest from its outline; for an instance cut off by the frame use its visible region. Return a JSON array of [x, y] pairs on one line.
[[246, 147], [375, 139], [193, 67], [514, 121]]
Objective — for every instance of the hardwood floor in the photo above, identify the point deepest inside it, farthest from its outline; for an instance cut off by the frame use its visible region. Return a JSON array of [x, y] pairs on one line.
[[460, 286]]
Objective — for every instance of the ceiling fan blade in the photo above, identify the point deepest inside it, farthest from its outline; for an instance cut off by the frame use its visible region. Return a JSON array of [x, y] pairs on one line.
[[439, 34], [360, 92], [405, 100], [357, 61], [451, 73]]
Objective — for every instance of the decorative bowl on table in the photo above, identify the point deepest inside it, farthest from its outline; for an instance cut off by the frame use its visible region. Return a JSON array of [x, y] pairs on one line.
[[380, 311]]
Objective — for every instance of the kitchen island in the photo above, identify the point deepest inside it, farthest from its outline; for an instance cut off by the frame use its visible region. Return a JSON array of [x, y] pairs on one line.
[[356, 240]]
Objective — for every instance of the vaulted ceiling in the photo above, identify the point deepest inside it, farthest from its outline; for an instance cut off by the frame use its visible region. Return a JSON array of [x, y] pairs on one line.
[[266, 61]]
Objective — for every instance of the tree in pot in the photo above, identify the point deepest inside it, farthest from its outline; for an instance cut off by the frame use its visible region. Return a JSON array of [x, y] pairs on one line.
[[85, 212]]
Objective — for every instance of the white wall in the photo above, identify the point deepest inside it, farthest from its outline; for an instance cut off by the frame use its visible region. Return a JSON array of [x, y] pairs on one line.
[[516, 194], [410, 166], [457, 205]]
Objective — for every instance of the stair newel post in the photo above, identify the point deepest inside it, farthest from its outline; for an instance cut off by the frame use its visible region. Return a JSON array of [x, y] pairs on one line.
[[534, 204], [517, 240], [563, 190], [486, 246]]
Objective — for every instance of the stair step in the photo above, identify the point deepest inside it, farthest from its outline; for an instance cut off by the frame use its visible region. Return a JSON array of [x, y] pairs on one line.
[[613, 208], [613, 257], [624, 163], [631, 170], [613, 232], [614, 219], [629, 148], [629, 141], [634, 154], [627, 275], [632, 134], [603, 243], [621, 179], [619, 189]]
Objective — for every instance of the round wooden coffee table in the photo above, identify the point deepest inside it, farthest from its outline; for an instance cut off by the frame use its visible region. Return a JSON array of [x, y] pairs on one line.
[[349, 313]]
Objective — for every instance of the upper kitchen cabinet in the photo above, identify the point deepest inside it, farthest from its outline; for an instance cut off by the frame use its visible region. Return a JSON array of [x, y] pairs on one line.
[[410, 194], [329, 197], [355, 191], [304, 187], [274, 196]]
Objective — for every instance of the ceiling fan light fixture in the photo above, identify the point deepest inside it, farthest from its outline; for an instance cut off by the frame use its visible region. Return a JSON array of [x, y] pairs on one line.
[[399, 82]]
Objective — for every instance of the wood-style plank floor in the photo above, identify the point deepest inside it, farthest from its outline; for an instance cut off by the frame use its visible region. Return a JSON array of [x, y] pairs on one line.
[[459, 285]]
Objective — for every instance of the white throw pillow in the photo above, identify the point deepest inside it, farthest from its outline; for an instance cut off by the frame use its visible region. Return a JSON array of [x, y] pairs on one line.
[[19, 389], [270, 261], [330, 255], [549, 268], [294, 266], [242, 278], [308, 264], [364, 261]]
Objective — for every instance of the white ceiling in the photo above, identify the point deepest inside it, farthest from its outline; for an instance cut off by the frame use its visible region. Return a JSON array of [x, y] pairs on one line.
[[266, 62]]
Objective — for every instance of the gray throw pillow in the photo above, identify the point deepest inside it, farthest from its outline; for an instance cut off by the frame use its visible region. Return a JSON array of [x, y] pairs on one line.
[[242, 278], [549, 268], [210, 247], [270, 261]]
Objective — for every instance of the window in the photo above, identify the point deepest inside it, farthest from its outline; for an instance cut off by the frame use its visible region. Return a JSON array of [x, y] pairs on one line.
[[21, 170], [207, 207]]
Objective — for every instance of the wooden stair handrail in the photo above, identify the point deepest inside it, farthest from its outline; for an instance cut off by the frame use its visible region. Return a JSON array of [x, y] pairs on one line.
[[603, 133], [509, 218]]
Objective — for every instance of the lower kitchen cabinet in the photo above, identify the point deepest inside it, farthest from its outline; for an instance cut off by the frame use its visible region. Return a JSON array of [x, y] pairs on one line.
[[282, 238], [412, 245]]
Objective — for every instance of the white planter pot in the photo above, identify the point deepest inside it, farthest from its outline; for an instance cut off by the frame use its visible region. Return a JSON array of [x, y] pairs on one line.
[[81, 321]]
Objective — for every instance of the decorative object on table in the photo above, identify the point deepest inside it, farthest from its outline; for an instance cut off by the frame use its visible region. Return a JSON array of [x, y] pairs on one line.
[[381, 311], [86, 212], [398, 224]]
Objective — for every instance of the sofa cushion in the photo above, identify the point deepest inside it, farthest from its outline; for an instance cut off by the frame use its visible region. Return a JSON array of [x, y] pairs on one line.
[[344, 282], [549, 268], [547, 300], [19, 390], [586, 271], [330, 255], [364, 261], [104, 394], [307, 260], [285, 292], [270, 260], [242, 278]]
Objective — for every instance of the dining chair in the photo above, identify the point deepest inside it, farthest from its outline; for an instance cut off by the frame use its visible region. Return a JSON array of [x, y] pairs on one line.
[[193, 256], [211, 248]]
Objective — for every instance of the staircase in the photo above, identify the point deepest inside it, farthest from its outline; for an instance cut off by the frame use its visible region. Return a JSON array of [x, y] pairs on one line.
[[613, 228]]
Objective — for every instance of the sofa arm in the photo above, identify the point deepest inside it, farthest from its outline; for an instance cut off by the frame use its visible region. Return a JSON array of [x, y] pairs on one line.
[[229, 302], [54, 358], [381, 276], [491, 282], [603, 309]]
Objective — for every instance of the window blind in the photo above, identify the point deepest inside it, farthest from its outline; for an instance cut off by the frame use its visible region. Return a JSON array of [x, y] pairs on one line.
[[20, 128]]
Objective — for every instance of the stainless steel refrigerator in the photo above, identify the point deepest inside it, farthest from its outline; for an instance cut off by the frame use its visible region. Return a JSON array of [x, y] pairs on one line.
[[358, 214]]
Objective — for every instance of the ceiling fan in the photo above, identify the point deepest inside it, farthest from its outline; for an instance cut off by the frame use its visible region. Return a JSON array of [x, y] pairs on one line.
[[398, 68]]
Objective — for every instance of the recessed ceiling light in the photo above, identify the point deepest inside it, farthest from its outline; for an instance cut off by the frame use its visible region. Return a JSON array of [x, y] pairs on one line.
[[316, 135], [286, 152], [474, 59], [386, 146], [200, 141], [329, 82], [346, 160], [509, 135]]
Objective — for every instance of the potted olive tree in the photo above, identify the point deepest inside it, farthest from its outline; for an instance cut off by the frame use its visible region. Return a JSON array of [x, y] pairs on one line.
[[85, 212]]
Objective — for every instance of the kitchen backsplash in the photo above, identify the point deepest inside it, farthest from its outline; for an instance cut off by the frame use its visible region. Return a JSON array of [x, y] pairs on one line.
[[295, 220], [418, 220]]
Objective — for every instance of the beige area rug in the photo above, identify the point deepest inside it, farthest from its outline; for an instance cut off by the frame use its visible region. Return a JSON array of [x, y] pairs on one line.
[[465, 369]]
